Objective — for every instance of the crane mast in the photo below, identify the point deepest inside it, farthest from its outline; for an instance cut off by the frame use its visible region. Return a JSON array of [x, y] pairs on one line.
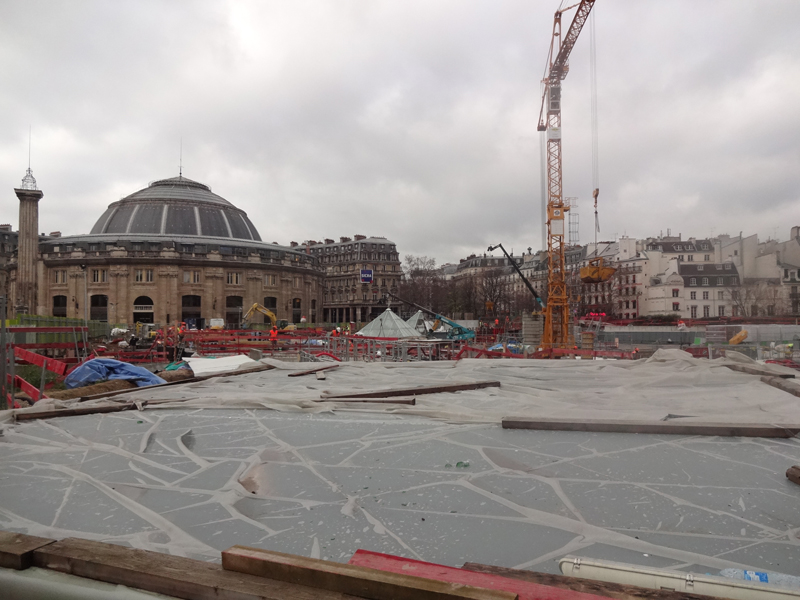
[[557, 332]]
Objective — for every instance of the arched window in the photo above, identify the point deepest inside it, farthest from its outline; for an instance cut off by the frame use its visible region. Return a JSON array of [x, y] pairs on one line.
[[143, 310]]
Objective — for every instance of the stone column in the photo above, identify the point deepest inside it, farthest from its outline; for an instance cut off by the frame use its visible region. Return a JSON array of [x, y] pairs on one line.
[[28, 250]]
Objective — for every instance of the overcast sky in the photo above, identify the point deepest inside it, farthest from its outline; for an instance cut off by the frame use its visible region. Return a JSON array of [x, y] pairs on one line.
[[413, 120]]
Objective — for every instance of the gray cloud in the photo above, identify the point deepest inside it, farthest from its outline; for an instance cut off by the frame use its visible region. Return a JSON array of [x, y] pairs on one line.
[[413, 120]]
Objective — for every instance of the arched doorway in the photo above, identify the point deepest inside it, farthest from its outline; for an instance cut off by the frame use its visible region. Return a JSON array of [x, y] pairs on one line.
[[233, 312], [59, 306], [190, 311], [98, 310], [143, 310], [297, 310]]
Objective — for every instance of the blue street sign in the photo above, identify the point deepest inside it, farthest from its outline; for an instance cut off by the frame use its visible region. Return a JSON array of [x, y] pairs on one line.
[[366, 275]]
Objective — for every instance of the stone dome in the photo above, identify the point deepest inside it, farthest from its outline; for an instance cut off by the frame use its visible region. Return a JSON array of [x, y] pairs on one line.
[[179, 207]]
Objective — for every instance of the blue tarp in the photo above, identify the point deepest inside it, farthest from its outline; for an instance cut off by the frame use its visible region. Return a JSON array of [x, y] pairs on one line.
[[514, 347], [103, 369]]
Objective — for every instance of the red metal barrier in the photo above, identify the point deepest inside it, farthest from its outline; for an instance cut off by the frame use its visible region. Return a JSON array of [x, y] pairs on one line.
[[51, 364]]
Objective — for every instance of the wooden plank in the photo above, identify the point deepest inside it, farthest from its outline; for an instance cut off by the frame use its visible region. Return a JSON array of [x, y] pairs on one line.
[[418, 391], [676, 427], [411, 401], [349, 579], [525, 590], [16, 549], [310, 371], [74, 412], [783, 385], [761, 371], [793, 474], [164, 574], [586, 586]]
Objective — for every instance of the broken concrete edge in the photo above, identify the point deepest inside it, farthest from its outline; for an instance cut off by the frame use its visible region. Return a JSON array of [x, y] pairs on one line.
[[793, 474], [350, 579], [765, 430]]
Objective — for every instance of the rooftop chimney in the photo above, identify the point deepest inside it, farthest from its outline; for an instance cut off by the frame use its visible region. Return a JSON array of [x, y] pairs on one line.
[[293, 244]]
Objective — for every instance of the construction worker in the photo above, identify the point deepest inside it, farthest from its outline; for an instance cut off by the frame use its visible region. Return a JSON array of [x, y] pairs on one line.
[[273, 336], [335, 332]]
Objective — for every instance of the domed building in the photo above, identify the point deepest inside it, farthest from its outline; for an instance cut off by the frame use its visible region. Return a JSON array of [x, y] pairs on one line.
[[173, 251]]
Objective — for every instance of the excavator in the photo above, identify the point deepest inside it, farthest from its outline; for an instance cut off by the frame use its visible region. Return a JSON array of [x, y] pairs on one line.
[[456, 332], [283, 324]]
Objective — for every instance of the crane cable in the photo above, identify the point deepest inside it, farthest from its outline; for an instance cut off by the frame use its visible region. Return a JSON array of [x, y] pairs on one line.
[[595, 144]]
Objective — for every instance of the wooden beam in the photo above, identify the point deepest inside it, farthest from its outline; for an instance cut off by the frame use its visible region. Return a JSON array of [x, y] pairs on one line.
[[411, 401], [349, 579], [418, 391], [74, 412], [783, 385], [793, 474], [310, 371], [165, 574], [586, 586], [16, 549], [676, 427], [525, 590], [760, 371]]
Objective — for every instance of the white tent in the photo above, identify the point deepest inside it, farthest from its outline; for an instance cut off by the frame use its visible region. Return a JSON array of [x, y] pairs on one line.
[[389, 325]]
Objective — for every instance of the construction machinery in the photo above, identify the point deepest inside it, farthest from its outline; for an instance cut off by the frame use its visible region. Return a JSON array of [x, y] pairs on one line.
[[557, 332], [456, 332], [596, 271], [258, 308], [527, 283]]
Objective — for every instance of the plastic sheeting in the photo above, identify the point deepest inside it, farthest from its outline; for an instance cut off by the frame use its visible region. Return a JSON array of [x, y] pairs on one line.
[[194, 482], [389, 325], [104, 369]]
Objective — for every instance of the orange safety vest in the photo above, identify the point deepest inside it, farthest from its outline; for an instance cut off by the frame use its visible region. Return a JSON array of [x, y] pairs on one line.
[[273, 334]]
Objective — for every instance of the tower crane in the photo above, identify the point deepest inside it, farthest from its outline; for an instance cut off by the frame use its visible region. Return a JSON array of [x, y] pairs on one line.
[[557, 311]]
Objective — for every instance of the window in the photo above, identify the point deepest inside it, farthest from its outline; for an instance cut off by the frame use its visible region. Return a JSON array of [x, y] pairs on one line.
[[148, 275], [676, 306], [138, 275], [692, 281], [719, 281], [191, 277], [786, 273], [94, 247], [720, 311], [727, 266], [297, 284], [675, 292], [633, 303], [734, 281], [271, 280], [692, 295], [720, 295], [691, 258], [706, 311], [99, 276], [705, 295], [707, 257], [234, 278], [271, 302], [705, 281], [680, 257], [718, 267], [59, 276], [693, 312], [678, 247], [700, 267], [59, 306]]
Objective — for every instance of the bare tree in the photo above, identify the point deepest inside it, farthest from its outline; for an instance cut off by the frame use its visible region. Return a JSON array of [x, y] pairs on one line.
[[759, 297]]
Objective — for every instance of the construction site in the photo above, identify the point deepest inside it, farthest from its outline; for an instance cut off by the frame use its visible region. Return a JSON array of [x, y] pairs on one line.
[[243, 453]]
